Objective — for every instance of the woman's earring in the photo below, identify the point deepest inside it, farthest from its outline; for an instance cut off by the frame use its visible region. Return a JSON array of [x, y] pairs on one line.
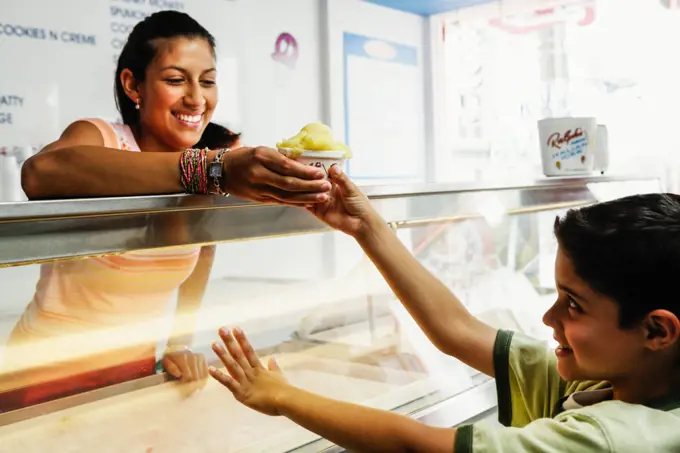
[[137, 104]]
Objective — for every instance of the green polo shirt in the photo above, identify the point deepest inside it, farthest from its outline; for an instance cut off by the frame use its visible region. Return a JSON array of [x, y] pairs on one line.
[[543, 413]]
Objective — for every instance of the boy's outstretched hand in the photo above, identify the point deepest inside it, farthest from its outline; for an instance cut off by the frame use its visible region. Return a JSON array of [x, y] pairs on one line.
[[347, 208], [354, 427], [249, 381]]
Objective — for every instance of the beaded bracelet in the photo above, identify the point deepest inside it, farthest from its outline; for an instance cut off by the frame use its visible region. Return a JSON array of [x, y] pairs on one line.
[[192, 171]]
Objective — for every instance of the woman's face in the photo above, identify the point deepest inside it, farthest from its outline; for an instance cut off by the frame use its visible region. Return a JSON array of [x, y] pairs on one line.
[[179, 94]]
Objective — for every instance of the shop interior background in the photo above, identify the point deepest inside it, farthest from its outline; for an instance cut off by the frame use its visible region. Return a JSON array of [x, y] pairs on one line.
[[440, 91], [434, 91]]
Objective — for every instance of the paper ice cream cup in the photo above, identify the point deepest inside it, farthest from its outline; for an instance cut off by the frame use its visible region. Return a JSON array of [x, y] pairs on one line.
[[567, 145], [324, 160]]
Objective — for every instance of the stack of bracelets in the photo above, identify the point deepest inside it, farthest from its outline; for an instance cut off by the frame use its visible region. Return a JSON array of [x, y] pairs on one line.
[[192, 166]]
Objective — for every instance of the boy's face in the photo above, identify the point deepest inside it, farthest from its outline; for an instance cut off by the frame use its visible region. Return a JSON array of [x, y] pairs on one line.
[[586, 325]]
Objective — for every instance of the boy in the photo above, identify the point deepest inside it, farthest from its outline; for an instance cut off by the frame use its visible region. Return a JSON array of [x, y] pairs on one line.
[[612, 385]]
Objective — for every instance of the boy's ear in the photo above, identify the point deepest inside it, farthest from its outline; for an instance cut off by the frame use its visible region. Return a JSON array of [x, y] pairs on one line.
[[662, 329]]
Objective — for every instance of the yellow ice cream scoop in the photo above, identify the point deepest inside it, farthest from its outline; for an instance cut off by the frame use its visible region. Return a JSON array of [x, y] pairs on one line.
[[314, 137]]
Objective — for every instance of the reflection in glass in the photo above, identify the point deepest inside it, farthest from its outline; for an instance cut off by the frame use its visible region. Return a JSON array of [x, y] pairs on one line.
[[96, 322]]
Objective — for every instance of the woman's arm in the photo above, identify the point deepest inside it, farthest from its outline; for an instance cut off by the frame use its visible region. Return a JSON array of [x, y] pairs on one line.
[[190, 296], [79, 165], [178, 360]]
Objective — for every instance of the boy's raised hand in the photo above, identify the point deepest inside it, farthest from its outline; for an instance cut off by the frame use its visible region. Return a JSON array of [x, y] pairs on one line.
[[248, 380]]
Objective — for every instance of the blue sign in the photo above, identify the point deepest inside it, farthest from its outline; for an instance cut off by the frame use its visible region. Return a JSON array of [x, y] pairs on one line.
[[427, 7]]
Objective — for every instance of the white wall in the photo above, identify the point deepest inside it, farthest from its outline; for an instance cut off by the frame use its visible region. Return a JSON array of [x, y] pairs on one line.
[[61, 81], [275, 100]]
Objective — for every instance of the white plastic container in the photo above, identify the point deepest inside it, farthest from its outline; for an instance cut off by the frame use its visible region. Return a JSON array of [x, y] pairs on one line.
[[25, 153], [3, 163], [11, 180], [567, 145], [324, 160]]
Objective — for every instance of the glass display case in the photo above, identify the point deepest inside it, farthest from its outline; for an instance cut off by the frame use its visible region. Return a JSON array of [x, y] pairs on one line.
[[94, 291]]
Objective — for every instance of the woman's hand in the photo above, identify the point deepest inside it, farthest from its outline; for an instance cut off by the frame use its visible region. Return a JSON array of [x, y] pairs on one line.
[[185, 365], [252, 384], [265, 175], [347, 209]]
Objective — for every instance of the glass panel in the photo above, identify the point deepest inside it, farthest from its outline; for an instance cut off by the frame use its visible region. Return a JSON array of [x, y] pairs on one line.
[[501, 270], [323, 310], [85, 324], [81, 324]]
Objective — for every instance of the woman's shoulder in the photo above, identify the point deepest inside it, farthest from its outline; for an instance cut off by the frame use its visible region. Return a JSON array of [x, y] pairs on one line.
[[105, 129], [115, 134]]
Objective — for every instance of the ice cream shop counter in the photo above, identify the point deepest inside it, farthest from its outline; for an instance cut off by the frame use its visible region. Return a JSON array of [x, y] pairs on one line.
[[105, 301]]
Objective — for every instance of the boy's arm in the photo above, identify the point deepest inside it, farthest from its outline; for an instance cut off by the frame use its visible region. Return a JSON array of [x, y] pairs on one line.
[[360, 428], [351, 426], [364, 429], [438, 312]]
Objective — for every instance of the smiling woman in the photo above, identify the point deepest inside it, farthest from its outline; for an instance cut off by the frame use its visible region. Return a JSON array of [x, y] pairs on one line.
[[166, 92]]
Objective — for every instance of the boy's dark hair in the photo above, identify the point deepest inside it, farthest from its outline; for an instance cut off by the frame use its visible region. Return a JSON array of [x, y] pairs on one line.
[[627, 249], [141, 47], [216, 137]]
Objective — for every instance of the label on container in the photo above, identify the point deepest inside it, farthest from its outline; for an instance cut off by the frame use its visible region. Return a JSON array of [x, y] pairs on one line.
[[568, 150]]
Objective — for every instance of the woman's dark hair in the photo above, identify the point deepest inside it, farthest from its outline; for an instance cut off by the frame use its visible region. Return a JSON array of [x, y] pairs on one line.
[[629, 250], [216, 137], [141, 47]]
